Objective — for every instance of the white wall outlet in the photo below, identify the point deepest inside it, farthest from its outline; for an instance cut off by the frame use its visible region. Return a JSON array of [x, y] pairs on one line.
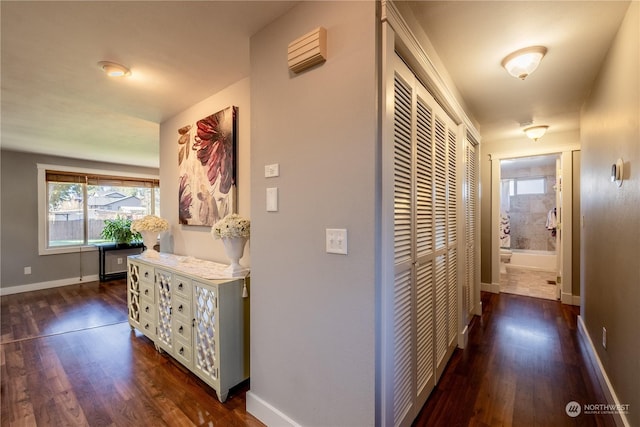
[[120, 260], [272, 199], [271, 171], [336, 241], [27, 270]]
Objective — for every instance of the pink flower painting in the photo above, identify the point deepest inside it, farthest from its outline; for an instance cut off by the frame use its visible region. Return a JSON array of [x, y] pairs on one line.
[[207, 167]]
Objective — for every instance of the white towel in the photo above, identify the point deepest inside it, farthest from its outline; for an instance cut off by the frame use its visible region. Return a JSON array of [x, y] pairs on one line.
[[551, 220]]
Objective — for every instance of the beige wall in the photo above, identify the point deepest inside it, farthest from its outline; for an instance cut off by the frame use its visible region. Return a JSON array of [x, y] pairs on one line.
[[313, 313], [611, 232], [196, 240], [19, 226]]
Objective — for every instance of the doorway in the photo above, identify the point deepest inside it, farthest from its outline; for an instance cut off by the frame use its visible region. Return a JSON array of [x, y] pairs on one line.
[[529, 196], [564, 212]]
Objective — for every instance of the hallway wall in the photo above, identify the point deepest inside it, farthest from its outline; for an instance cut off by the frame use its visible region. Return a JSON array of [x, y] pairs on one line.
[[611, 233], [313, 313]]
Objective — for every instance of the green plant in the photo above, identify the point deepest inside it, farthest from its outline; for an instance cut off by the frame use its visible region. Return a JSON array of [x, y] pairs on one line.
[[119, 230]]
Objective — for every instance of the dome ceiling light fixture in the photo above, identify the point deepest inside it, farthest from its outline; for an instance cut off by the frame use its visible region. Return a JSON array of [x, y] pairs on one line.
[[113, 69], [524, 61], [535, 132]]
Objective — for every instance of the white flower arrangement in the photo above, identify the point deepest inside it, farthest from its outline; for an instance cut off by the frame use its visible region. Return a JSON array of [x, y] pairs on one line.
[[232, 225], [150, 223]]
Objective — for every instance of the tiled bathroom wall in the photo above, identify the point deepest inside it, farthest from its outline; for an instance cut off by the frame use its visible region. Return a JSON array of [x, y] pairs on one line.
[[528, 213]]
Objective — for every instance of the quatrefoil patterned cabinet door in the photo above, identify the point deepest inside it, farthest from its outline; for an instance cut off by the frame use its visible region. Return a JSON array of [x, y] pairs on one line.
[[133, 294], [206, 333], [163, 289]]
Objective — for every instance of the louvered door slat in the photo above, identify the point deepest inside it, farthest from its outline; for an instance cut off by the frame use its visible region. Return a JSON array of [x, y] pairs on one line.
[[440, 188], [403, 347], [452, 291], [452, 186], [440, 309], [424, 180], [424, 325], [402, 172]]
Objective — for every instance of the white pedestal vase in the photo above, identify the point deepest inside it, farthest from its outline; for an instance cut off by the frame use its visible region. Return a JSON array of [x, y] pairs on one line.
[[234, 248], [149, 239]]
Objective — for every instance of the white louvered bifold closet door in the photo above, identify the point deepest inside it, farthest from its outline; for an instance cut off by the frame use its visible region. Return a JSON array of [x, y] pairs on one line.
[[452, 239], [425, 303], [403, 231], [470, 197]]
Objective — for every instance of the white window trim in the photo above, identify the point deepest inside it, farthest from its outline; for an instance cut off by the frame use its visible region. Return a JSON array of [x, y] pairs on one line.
[[43, 203]]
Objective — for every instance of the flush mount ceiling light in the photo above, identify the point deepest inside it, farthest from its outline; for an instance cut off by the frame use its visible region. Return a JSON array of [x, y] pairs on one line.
[[114, 69], [535, 132], [523, 62]]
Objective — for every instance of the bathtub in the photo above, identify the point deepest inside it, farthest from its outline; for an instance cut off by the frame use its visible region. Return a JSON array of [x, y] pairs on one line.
[[534, 260]]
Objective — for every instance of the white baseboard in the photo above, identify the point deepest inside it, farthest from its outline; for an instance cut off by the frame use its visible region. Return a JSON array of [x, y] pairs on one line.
[[494, 288], [478, 309], [47, 285], [603, 379], [267, 413], [463, 337], [570, 299]]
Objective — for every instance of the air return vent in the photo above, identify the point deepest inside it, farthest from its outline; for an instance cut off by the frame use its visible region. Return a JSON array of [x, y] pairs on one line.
[[308, 50]]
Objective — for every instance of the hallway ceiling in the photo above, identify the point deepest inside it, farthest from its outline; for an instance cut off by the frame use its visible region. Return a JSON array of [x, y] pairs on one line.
[[472, 38], [55, 99]]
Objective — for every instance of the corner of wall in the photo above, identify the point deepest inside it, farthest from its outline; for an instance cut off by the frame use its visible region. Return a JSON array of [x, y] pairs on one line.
[[267, 413]]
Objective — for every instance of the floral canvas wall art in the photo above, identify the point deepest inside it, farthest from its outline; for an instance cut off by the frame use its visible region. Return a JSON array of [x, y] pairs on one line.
[[207, 168]]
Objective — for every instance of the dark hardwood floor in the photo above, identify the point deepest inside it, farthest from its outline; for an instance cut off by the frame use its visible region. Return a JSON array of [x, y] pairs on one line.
[[524, 362], [68, 357]]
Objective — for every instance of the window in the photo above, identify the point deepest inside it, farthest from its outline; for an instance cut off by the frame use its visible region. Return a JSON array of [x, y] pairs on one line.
[[525, 186], [530, 186], [74, 204]]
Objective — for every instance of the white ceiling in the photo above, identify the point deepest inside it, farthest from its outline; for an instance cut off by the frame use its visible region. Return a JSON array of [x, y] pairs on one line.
[[472, 38], [55, 99]]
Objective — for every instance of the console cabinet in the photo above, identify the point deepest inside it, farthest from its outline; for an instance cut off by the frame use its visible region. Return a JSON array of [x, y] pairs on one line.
[[191, 311]]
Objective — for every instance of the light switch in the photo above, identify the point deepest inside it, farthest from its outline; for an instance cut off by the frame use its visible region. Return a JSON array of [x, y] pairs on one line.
[[272, 199], [336, 240], [271, 171]]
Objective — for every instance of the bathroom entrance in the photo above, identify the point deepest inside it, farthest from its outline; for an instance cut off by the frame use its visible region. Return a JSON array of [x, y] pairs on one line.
[[568, 221], [530, 201]]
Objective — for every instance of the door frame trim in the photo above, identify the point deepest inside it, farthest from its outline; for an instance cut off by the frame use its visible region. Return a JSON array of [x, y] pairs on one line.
[[566, 155]]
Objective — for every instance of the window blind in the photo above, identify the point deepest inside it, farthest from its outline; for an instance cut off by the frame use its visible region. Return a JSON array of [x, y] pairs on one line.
[[94, 179]]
